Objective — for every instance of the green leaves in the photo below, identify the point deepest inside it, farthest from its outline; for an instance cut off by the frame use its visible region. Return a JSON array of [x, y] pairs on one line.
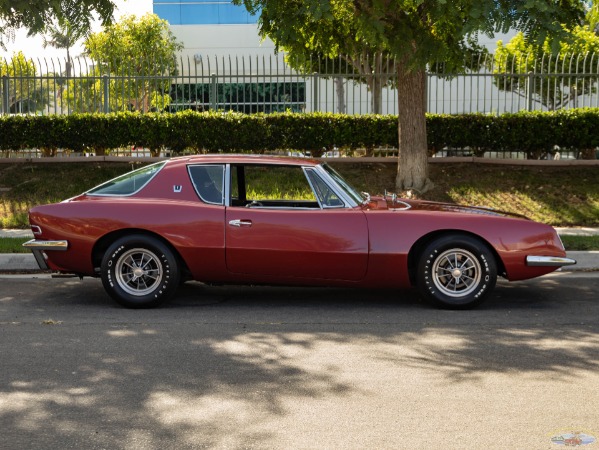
[[142, 48], [535, 133], [520, 56], [37, 14], [197, 132], [147, 37]]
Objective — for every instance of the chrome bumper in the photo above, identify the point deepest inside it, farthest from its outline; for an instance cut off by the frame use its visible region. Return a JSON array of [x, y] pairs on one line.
[[549, 261], [37, 247]]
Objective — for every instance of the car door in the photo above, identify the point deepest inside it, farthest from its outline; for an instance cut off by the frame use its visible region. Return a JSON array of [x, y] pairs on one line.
[[290, 233]]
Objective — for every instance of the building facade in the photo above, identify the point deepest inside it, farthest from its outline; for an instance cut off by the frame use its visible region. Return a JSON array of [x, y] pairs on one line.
[[213, 28]]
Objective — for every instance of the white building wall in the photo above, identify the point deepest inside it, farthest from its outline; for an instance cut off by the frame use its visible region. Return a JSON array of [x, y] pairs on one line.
[[222, 41]]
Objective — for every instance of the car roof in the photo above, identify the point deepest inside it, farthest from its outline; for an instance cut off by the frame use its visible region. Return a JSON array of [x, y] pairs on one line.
[[245, 159]]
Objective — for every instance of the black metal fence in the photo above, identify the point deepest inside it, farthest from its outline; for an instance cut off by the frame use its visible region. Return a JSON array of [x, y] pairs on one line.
[[269, 84]]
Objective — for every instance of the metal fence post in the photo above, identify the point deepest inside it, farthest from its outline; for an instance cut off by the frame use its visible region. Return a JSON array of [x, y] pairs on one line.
[[5, 85], [106, 94], [529, 91], [315, 102], [213, 92]]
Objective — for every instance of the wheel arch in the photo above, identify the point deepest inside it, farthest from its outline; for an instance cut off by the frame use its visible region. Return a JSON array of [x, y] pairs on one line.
[[419, 246], [105, 241]]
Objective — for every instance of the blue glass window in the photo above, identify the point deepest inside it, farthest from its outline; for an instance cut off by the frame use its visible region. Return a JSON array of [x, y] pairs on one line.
[[202, 12], [170, 13]]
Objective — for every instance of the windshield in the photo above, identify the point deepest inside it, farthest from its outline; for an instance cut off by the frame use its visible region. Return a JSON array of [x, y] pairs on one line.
[[128, 184], [347, 188]]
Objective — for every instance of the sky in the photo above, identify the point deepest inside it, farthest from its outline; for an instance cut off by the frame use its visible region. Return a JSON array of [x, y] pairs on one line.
[[32, 47]]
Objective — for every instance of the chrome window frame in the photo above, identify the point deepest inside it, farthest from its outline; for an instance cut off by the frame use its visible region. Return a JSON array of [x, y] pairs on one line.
[[325, 168], [224, 198], [91, 194], [348, 201], [289, 208], [307, 171]]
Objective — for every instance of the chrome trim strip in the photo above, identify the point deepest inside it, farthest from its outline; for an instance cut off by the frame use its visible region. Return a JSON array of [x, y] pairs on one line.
[[405, 206], [35, 244], [227, 185], [38, 247], [36, 229], [549, 261]]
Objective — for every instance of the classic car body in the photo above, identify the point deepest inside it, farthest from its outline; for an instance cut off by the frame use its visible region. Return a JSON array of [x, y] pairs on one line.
[[210, 219]]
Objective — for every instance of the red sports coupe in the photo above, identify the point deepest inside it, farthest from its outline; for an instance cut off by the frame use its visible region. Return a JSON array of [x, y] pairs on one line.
[[287, 221]]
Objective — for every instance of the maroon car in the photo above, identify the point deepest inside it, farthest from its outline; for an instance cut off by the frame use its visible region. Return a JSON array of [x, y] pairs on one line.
[[286, 221]]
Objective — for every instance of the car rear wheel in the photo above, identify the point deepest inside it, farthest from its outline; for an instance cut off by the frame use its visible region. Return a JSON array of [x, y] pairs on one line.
[[140, 271], [456, 272]]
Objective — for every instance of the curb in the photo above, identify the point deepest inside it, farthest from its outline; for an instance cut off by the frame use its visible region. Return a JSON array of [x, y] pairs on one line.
[[18, 263]]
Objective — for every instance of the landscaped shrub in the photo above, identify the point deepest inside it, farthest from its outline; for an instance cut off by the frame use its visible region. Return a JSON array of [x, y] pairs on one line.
[[535, 133]]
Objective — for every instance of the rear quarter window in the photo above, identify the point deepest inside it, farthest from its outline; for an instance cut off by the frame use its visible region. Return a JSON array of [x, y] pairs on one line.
[[208, 181], [128, 184]]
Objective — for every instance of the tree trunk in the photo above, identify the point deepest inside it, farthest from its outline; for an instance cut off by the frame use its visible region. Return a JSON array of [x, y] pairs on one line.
[[412, 171], [68, 65], [376, 87]]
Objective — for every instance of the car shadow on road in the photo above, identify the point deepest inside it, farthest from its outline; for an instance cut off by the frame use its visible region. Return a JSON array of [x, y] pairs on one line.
[[218, 364]]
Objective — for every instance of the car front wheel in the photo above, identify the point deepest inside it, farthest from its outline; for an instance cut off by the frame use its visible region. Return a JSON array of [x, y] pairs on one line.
[[456, 272], [140, 271]]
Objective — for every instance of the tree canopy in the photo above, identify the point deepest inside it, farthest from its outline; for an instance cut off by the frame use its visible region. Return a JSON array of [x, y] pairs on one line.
[[416, 33], [317, 42], [135, 39], [63, 35], [35, 15], [544, 84], [138, 56]]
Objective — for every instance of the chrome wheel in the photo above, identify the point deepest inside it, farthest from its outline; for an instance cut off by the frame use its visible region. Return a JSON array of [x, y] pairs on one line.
[[138, 272], [456, 273]]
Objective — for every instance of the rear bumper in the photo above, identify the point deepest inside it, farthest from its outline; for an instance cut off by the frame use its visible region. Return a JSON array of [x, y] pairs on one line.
[[38, 247], [549, 261]]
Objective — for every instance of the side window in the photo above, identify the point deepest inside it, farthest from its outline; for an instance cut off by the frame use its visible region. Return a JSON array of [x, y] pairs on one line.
[[129, 183], [328, 198], [208, 181], [271, 186]]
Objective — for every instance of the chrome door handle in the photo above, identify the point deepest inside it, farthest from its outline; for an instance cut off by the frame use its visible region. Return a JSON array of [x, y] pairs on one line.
[[240, 223]]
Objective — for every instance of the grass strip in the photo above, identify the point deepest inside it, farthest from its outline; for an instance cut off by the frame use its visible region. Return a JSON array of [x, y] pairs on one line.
[[13, 245], [558, 196], [581, 243]]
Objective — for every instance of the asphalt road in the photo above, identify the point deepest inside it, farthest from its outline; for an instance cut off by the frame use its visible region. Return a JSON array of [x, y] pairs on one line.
[[259, 367]]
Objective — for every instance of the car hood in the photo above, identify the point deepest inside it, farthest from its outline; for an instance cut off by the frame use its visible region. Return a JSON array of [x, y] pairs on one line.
[[402, 204]]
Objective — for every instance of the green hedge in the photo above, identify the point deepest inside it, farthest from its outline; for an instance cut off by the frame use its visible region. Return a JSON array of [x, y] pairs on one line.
[[535, 133]]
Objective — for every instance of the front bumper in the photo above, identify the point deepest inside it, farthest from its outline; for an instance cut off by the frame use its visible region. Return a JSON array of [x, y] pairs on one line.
[[38, 247], [549, 261]]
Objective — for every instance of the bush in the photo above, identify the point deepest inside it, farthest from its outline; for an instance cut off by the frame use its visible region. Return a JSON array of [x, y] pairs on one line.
[[536, 133]]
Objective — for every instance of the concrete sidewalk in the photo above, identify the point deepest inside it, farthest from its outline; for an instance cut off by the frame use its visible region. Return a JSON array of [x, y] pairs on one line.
[[25, 262], [16, 233]]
